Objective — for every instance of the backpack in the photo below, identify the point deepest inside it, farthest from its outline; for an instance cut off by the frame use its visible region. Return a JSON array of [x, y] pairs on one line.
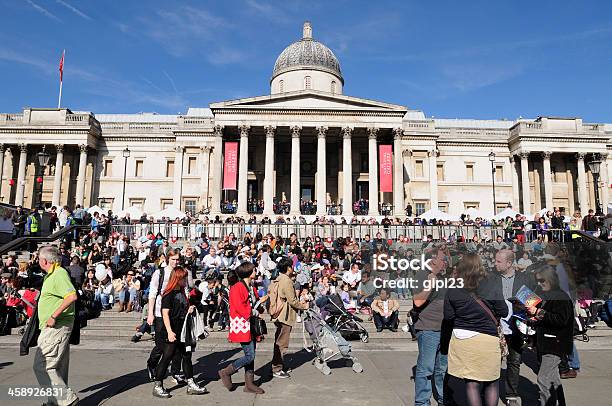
[[605, 312], [276, 304]]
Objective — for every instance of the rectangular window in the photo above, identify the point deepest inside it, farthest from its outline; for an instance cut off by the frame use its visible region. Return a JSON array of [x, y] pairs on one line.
[[440, 171], [419, 208], [499, 207], [105, 203], [165, 203], [108, 168], [418, 168], [138, 168], [190, 205], [443, 206], [469, 172], [471, 205], [499, 173], [191, 165], [169, 169], [137, 202]]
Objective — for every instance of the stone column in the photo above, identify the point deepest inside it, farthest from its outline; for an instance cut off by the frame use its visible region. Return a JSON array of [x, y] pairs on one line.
[[295, 171], [1, 169], [604, 179], [82, 175], [406, 154], [398, 175], [23, 156], [548, 187], [269, 179], [57, 178], [243, 170], [515, 184], [204, 175], [321, 172], [347, 172], [525, 182], [372, 172], [177, 186], [433, 178], [217, 164], [583, 199]]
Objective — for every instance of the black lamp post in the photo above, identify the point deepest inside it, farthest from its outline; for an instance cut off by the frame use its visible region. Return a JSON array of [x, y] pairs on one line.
[[43, 160], [595, 166], [492, 159], [126, 155]]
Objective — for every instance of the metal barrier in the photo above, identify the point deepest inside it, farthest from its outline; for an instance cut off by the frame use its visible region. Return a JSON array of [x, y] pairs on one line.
[[356, 232]]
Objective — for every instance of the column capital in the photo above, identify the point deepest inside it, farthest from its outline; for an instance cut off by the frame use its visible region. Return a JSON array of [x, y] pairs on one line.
[[1, 147], [23, 148], [372, 132], [604, 156], [296, 131], [580, 156], [398, 133], [546, 154], [218, 130], [59, 148], [512, 158], [347, 132], [433, 152], [244, 130], [206, 149], [270, 130], [407, 153], [524, 154], [321, 132], [179, 149], [83, 148]]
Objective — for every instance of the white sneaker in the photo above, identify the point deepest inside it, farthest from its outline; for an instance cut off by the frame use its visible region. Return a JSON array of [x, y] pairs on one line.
[[298, 319]]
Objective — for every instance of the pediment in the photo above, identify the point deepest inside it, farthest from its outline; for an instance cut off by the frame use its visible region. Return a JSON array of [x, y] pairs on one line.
[[307, 100]]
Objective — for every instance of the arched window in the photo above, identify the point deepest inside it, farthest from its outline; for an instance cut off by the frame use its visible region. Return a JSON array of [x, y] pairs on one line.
[[333, 87], [281, 85], [307, 83]]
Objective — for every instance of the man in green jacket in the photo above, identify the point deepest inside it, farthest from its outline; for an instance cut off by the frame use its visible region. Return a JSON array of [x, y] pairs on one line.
[[286, 318], [56, 308]]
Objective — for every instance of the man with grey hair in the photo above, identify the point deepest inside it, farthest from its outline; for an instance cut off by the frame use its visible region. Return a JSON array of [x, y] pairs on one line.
[[56, 308]]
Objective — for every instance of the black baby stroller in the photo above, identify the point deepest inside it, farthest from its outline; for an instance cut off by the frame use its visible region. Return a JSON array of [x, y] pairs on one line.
[[328, 345], [340, 320]]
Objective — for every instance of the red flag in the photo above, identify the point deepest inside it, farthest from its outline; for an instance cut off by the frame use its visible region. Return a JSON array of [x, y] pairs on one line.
[[386, 168], [230, 166], [61, 67]]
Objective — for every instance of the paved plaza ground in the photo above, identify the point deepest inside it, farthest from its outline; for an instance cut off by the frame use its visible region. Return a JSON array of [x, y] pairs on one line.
[[112, 373]]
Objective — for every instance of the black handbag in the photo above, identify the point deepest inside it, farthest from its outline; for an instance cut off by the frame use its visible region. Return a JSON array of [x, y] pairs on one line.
[[258, 327]]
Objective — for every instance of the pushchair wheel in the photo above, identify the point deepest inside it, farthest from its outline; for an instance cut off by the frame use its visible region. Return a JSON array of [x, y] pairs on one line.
[[325, 369], [357, 368], [364, 337]]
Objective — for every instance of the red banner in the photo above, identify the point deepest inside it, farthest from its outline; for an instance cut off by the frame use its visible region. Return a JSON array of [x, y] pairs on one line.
[[386, 168], [230, 166]]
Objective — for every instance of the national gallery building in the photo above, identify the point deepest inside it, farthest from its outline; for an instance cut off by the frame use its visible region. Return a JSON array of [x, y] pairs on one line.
[[304, 142]]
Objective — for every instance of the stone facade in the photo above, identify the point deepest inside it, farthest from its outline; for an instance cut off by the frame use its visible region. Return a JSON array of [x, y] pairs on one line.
[[306, 140]]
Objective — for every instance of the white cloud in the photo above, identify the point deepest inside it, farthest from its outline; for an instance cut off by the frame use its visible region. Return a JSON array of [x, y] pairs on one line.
[[74, 9], [43, 11]]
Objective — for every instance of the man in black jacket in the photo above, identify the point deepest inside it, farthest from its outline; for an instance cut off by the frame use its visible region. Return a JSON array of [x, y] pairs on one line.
[[504, 283]]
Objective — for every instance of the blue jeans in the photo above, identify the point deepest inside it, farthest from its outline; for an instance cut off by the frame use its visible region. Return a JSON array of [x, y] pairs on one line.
[[429, 363], [105, 299], [125, 292], [248, 360], [574, 358]]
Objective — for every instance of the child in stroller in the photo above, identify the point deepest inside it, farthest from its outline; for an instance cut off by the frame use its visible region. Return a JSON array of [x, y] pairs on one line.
[[340, 320]]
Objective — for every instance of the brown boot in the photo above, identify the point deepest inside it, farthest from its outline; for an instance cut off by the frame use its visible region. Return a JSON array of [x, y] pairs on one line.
[[249, 383], [130, 307], [121, 307], [226, 376]]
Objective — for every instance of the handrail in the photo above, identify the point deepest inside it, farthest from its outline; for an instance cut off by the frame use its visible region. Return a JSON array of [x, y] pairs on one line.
[[13, 245]]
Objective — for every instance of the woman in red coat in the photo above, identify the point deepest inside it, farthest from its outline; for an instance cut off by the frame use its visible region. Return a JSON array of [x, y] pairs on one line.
[[242, 299]]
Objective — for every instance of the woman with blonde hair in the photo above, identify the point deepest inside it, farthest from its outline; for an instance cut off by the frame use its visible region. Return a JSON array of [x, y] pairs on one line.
[[474, 354]]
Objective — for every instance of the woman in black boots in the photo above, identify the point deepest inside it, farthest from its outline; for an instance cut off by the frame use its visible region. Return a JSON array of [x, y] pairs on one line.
[[242, 298], [175, 307]]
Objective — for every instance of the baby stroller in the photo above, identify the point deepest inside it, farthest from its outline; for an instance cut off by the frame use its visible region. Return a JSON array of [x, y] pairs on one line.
[[328, 344], [341, 321]]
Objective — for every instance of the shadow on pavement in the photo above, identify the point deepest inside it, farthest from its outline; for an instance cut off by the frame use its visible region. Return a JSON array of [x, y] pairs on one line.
[[293, 361], [5, 364]]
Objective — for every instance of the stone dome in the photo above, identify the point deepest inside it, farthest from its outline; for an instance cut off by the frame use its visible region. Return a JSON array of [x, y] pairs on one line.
[[307, 54]]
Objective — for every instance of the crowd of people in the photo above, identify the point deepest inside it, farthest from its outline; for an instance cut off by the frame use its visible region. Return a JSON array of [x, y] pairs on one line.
[[222, 282]]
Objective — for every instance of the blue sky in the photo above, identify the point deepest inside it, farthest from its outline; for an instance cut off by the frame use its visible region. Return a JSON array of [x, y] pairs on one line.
[[453, 59]]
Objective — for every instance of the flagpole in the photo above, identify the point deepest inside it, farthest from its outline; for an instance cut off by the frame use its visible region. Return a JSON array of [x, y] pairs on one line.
[[59, 100]]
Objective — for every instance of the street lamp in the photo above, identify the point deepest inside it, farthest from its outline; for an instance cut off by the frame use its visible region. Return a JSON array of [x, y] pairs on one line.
[[492, 159], [43, 160], [126, 155], [595, 166]]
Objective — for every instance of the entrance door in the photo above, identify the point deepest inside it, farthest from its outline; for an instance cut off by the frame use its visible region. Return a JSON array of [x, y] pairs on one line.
[[362, 190], [306, 192]]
